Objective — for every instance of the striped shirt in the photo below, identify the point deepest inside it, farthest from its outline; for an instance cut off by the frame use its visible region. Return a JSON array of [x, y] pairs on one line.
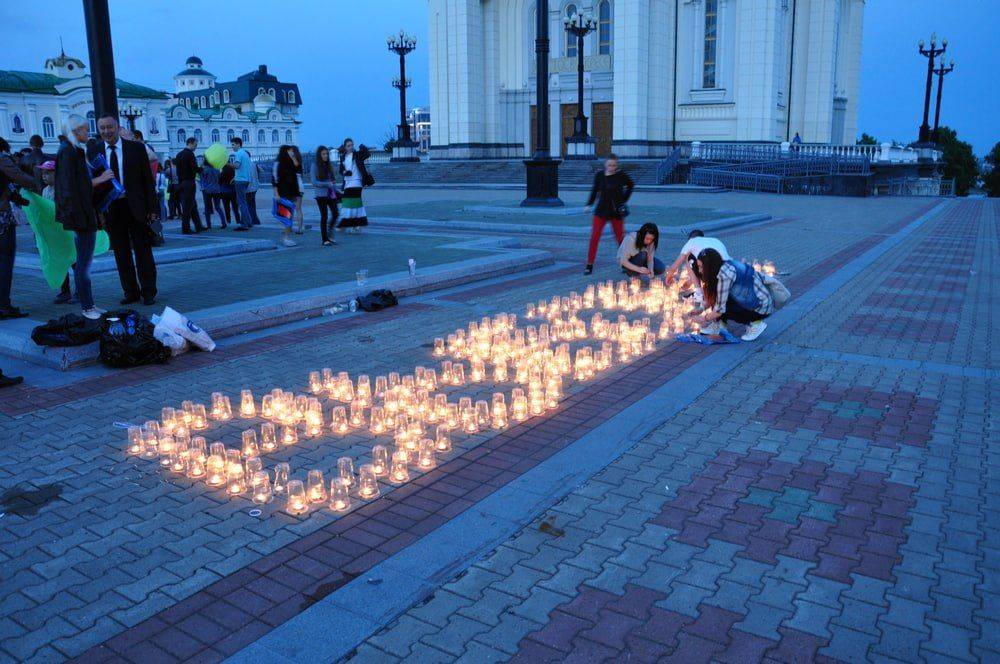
[[727, 275]]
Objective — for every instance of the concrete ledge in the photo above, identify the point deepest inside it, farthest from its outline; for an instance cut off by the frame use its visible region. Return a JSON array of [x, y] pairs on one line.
[[519, 186], [563, 231], [232, 319], [214, 248]]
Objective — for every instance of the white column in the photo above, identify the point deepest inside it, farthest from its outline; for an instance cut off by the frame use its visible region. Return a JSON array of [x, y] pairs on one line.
[[631, 67], [465, 73], [817, 120], [851, 20], [491, 72], [659, 50], [757, 76], [438, 49]]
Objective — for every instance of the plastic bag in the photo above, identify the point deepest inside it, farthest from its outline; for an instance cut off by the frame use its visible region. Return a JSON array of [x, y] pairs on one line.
[[779, 292], [175, 342], [179, 324], [127, 341], [377, 300], [68, 330]]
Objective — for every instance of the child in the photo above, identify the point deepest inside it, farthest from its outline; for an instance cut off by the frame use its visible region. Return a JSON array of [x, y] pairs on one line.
[[48, 170]]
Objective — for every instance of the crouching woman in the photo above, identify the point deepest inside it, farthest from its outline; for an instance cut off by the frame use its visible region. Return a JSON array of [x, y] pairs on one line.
[[734, 292], [637, 253]]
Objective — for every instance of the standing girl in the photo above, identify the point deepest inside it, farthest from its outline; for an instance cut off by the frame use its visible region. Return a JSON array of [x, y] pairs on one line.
[[297, 159], [286, 182], [326, 192], [356, 178], [612, 189]]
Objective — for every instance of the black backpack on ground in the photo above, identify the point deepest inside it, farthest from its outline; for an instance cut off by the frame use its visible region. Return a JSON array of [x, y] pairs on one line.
[[377, 300], [127, 340], [68, 330]]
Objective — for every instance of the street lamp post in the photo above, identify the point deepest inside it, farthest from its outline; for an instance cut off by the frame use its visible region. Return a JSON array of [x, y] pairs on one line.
[[941, 71], [930, 54], [580, 145], [130, 114], [541, 169], [102, 58], [405, 148]]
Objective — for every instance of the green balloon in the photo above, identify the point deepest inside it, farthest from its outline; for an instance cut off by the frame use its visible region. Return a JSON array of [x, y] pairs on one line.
[[217, 155]]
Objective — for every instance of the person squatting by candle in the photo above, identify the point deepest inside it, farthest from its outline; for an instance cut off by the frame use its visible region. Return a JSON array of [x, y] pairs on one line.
[[636, 254], [735, 292]]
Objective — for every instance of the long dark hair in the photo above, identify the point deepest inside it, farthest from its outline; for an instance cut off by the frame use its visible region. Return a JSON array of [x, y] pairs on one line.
[[285, 159], [323, 169], [298, 157], [711, 263], [644, 230]]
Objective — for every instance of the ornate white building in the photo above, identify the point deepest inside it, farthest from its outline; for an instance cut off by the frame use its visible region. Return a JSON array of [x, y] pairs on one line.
[[257, 107], [657, 72]]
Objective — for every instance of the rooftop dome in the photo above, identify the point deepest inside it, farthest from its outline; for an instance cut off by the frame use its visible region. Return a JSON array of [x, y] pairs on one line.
[[194, 61]]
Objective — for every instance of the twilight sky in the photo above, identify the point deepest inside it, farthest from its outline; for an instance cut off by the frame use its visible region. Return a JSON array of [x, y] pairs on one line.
[[335, 50]]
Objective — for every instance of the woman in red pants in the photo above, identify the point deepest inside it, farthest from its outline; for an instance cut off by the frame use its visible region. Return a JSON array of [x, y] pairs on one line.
[[612, 189]]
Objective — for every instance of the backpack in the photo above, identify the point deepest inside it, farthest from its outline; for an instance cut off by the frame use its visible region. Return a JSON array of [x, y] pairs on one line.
[[227, 174]]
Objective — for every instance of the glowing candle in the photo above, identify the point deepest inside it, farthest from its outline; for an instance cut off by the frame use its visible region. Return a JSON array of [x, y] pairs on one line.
[[289, 435], [316, 486], [458, 374], [338, 420], [250, 447], [345, 469], [315, 382], [519, 408], [340, 495], [166, 448], [267, 406], [399, 472], [357, 418], [367, 482], [135, 446], [425, 458], [439, 347], [381, 386], [442, 443], [297, 502], [281, 473], [168, 418], [380, 460], [216, 470], [260, 487], [247, 406]]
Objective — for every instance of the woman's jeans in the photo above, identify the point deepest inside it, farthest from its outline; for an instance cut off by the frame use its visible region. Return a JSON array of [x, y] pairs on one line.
[[8, 248], [738, 314], [641, 260], [85, 241]]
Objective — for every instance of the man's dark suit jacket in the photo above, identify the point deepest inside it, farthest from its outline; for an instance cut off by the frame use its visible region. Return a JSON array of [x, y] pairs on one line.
[[140, 190]]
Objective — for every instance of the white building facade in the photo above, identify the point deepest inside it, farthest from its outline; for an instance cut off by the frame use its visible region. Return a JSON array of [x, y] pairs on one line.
[[657, 73]]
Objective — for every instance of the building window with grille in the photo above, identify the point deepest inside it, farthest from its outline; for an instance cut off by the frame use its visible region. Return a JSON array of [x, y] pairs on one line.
[[48, 127], [604, 28], [570, 37], [92, 122], [216, 137], [181, 137], [230, 135], [197, 135], [225, 96], [291, 96], [260, 137], [708, 68], [245, 135], [288, 136], [274, 136]]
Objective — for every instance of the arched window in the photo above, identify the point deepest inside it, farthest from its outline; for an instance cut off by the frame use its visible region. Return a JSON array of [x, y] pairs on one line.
[[187, 102], [92, 122], [711, 31], [261, 137], [16, 124], [215, 97], [230, 135], [197, 135], [570, 37], [181, 136], [604, 27], [225, 96], [271, 92], [203, 104], [274, 136], [245, 135], [48, 127], [216, 137], [261, 91], [288, 136], [291, 96]]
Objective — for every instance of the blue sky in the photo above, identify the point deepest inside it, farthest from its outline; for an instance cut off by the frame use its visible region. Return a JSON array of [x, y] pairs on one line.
[[335, 50]]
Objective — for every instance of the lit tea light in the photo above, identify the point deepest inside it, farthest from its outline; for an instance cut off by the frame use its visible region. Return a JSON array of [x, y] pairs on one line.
[[315, 382], [235, 481], [250, 446], [168, 418], [345, 469], [268, 437], [425, 458], [247, 406], [297, 502], [260, 488], [216, 470], [338, 421], [340, 496], [281, 474], [135, 444], [367, 482], [199, 419], [380, 460], [166, 448], [442, 443], [439, 347], [316, 486], [267, 406], [399, 472]]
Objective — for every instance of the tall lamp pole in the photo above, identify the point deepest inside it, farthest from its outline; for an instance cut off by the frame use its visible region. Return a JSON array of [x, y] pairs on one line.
[[941, 71], [405, 148], [580, 145], [542, 170], [930, 54], [129, 115], [102, 58]]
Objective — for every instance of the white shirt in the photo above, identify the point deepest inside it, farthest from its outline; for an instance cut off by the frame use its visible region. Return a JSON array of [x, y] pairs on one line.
[[696, 245], [354, 179], [628, 248], [121, 160]]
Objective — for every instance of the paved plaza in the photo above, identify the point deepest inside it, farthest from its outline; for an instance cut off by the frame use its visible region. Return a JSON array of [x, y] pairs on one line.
[[825, 493]]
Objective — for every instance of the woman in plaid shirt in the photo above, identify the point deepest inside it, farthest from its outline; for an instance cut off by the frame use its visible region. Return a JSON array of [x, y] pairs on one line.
[[735, 292]]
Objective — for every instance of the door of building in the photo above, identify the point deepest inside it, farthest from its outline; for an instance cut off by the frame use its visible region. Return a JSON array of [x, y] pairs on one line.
[[566, 114], [602, 122]]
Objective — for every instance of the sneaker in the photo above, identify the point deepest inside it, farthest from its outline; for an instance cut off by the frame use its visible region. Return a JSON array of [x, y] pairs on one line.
[[711, 329], [754, 330], [289, 242], [589, 269], [327, 243], [93, 313], [10, 381]]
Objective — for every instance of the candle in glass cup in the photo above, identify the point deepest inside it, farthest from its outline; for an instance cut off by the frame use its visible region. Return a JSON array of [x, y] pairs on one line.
[[340, 495], [297, 503], [216, 470], [399, 471], [338, 420], [380, 460], [260, 487], [316, 486], [135, 444], [367, 482], [289, 434], [281, 473], [250, 446], [345, 469], [247, 406], [425, 458]]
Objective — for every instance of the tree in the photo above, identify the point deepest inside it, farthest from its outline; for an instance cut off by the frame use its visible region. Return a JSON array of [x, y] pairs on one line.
[[867, 139], [959, 160], [991, 179], [389, 139]]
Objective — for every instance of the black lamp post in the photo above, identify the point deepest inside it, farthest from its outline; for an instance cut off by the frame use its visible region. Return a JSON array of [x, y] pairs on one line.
[[102, 59], [579, 25], [930, 54], [130, 114], [542, 169], [401, 45], [941, 71]]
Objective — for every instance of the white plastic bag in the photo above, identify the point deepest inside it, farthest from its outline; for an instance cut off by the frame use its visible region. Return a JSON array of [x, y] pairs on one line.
[[175, 342], [179, 323]]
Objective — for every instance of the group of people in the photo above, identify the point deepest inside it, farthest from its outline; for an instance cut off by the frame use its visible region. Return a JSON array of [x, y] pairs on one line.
[[231, 191], [726, 290]]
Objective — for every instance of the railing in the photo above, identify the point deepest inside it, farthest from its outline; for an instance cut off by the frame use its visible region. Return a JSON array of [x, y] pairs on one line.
[[920, 187], [667, 166], [711, 177], [800, 166], [743, 152]]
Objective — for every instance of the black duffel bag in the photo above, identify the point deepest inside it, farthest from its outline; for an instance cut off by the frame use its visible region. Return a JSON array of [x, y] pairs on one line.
[[127, 340], [68, 330], [377, 300]]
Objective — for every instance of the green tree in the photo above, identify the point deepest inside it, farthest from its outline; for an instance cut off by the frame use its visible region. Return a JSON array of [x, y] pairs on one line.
[[959, 160], [867, 139], [991, 179]]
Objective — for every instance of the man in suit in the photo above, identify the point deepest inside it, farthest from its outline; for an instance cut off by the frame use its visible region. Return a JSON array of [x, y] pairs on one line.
[[127, 219], [187, 171]]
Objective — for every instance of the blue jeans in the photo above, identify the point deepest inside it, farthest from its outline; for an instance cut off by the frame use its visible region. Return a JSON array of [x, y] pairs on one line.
[[641, 260], [246, 218], [8, 248], [85, 241]]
